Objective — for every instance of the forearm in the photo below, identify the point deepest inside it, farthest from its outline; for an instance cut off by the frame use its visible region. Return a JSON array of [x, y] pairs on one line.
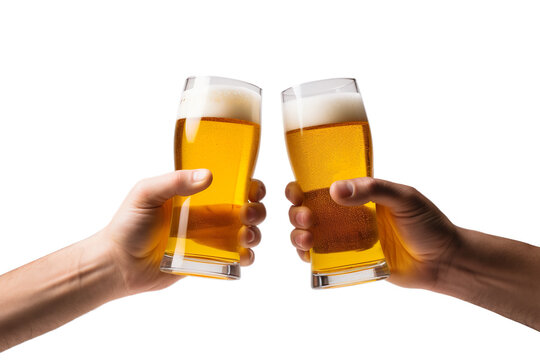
[[55, 289], [495, 273]]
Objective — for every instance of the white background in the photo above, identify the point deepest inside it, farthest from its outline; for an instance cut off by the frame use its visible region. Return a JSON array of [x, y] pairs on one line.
[[88, 97]]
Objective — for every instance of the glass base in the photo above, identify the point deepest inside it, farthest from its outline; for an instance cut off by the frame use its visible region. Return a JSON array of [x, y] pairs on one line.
[[352, 276], [180, 265]]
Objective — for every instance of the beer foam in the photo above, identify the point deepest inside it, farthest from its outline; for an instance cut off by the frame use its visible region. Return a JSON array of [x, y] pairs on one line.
[[220, 101], [323, 109]]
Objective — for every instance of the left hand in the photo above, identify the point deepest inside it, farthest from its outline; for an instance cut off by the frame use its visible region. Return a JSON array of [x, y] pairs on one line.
[[418, 240]]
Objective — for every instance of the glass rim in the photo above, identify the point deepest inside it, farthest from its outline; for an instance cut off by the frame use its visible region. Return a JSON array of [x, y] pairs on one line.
[[224, 80], [342, 82]]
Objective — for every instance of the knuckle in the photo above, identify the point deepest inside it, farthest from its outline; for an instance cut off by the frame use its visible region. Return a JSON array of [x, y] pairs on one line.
[[413, 198], [370, 184], [304, 255], [410, 193], [288, 191], [261, 191], [292, 213], [179, 179], [260, 207], [262, 212], [293, 236], [140, 189], [294, 193]]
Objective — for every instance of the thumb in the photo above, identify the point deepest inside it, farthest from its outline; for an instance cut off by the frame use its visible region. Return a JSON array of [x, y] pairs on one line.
[[354, 192], [154, 192]]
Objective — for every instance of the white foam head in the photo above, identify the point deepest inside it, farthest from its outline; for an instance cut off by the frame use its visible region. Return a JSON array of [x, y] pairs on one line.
[[323, 109], [220, 101]]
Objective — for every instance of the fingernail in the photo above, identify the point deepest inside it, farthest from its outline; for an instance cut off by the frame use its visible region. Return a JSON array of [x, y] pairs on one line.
[[199, 175], [344, 189], [250, 236], [260, 193], [300, 219], [251, 214]]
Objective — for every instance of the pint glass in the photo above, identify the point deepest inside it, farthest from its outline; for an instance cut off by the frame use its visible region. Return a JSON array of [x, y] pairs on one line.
[[328, 139], [217, 128]]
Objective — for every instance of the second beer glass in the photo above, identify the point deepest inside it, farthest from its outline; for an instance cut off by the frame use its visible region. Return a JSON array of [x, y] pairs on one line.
[[328, 139], [218, 128]]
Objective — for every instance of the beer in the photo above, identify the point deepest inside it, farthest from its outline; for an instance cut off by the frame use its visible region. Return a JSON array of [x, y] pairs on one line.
[[228, 147], [319, 156], [328, 139], [217, 129]]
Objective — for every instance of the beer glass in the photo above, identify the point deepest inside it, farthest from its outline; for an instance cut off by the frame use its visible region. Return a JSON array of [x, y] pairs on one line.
[[328, 139], [217, 128]]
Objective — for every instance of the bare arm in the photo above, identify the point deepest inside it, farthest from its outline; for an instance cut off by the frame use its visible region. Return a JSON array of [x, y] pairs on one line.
[[120, 260], [498, 274], [425, 250], [55, 289]]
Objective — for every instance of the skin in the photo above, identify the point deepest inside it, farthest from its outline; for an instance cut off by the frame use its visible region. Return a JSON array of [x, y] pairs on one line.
[[120, 260], [425, 250]]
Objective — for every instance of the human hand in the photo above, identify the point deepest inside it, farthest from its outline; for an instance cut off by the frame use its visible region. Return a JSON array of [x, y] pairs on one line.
[[418, 240], [138, 233]]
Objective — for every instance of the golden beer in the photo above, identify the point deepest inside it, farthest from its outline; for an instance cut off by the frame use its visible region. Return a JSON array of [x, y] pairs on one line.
[[229, 148], [328, 139], [204, 227]]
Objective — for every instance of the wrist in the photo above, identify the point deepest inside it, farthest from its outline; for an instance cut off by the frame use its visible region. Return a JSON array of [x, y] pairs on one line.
[[97, 265], [458, 273]]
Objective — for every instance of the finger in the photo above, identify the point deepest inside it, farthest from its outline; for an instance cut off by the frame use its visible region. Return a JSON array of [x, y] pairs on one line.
[[249, 236], [304, 255], [359, 191], [301, 217], [302, 239], [154, 192], [252, 213], [247, 257], [294, 193], [257, 190]]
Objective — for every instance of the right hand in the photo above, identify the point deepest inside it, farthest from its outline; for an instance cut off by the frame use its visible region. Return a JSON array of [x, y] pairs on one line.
[[137, 235], [418, 240]]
